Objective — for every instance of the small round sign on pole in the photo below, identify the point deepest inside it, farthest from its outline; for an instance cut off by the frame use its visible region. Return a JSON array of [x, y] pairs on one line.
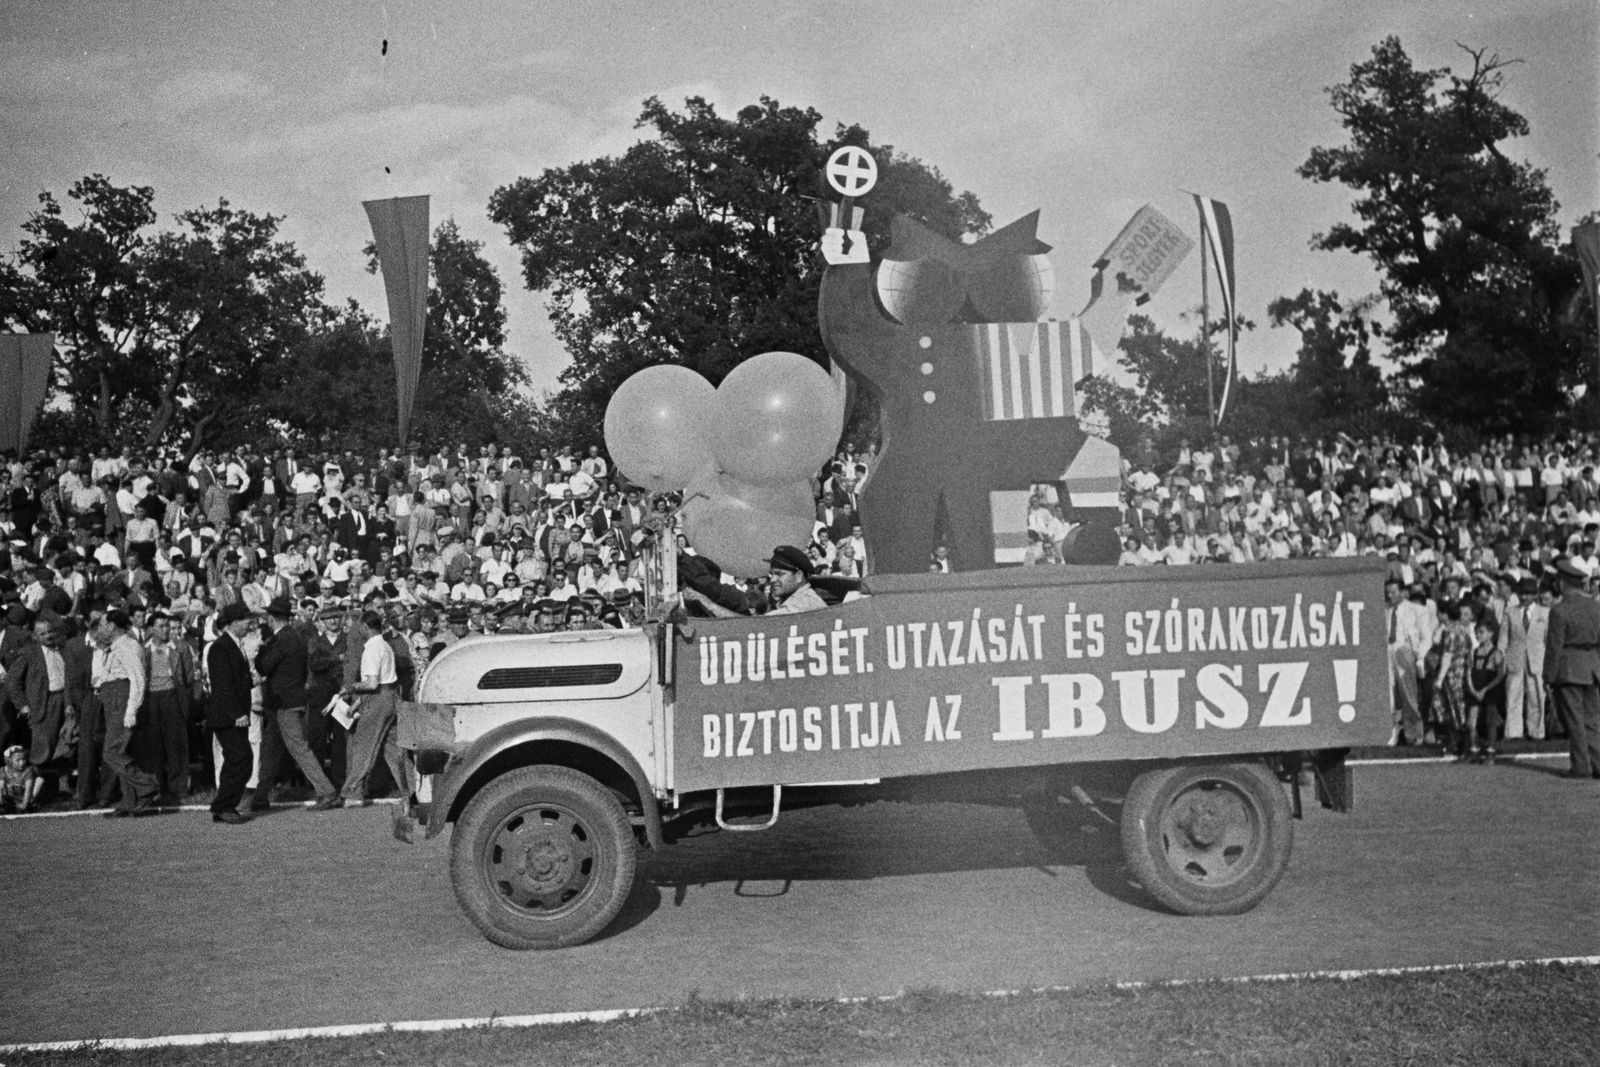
[[852, 171]]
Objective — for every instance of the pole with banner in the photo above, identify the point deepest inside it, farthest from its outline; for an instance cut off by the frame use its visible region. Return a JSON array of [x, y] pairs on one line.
[[24, 384], [400, 232], [1205, 328], [1586, 242]]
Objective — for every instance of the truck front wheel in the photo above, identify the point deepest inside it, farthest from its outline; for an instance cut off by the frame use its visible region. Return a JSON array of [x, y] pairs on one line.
[[542, 857], [1208, 839]]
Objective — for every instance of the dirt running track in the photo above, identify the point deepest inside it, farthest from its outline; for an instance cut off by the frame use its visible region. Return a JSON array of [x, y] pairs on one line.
[[175, 925]]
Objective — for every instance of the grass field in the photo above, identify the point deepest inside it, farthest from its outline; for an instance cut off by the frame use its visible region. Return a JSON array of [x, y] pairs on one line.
[[1544, 1015]]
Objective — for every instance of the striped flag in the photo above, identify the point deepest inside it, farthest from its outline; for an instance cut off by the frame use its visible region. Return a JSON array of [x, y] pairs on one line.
[[1029, 370], [1008, 519], [1216, 229]]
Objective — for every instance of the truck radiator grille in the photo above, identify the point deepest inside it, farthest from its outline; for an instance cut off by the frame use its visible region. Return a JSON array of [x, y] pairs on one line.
[[577, 674]]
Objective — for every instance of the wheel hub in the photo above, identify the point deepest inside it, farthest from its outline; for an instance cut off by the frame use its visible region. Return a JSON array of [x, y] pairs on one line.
[[1203, 821], [1210, 832], [541, 859], [547, 865]]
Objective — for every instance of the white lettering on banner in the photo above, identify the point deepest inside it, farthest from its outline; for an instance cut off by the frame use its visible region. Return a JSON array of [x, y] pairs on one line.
[[1148, 702], [1142, 715], [1281, 682], [935, 731], [839, 651], [1013, 708], [1219, 690], [1074, 705]]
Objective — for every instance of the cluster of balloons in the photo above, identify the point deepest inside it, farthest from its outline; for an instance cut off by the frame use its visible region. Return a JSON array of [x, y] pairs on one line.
[[743, 453]]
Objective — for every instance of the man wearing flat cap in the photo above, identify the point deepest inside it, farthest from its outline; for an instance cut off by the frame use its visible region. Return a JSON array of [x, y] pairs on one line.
[[1572, 664], [284, 665], [791, 582]]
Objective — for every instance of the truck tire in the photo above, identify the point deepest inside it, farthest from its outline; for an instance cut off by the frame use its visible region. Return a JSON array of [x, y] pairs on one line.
[[1208, 839], [542, 857]]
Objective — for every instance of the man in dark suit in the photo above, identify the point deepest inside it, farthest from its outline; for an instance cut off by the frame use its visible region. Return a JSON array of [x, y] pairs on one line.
[[38, 683], [1572, 665], [283, 663], [228, 710]]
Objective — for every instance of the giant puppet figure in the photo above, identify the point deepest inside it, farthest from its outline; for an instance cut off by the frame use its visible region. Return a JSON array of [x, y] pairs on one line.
[[977, 395]]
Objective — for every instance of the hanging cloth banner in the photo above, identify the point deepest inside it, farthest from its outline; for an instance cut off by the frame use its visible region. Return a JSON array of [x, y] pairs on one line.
[[1216, 229], [1586, 241], [400, 230], [24, 383]]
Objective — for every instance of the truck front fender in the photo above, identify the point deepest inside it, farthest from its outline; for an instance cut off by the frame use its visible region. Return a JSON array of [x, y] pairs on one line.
[[565, 742]]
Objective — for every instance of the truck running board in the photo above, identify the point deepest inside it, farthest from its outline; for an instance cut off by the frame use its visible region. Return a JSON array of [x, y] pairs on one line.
[[777, 800]]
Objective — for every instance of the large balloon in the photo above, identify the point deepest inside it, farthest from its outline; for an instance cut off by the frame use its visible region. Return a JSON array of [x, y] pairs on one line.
[[656, 427], [738, 525], [778, 419]]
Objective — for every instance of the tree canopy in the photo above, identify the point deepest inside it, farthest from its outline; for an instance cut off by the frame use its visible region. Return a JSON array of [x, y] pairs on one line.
[[215, 332], [1464, 236], [697, 246]]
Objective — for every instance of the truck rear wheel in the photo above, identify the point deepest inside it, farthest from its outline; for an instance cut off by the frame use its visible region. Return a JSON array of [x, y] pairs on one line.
[[1208, 839], [542, 857]]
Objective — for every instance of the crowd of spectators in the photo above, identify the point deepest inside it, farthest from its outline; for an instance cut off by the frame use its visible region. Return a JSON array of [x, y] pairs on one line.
[[100, 551], [1472, 538]]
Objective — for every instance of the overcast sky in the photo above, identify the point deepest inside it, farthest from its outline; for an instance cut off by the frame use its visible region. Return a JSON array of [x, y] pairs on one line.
[[1083, 109]]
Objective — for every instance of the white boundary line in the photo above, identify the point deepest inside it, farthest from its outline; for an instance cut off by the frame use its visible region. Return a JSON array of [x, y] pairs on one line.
[[1399, 761], [512, 1022]]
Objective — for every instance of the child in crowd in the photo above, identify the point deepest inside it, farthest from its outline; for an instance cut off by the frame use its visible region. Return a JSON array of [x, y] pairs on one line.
[[20, 784], [1486, 692]]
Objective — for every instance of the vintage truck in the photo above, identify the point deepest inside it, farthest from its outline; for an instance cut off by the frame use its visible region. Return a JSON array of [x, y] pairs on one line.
[[1200, 699]]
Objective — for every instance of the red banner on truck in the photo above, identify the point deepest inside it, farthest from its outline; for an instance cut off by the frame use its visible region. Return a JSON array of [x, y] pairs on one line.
[[1039, 665]]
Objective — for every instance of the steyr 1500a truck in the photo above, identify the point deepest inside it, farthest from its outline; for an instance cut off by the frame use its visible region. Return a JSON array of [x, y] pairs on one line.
[[1201, 698]]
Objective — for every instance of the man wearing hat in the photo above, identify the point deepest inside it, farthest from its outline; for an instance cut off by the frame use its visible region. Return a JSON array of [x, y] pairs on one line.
[[1516, 612], [1572, 657], [228, 710], [1534, 618], [790, 582], [283, 664], [543, 620]]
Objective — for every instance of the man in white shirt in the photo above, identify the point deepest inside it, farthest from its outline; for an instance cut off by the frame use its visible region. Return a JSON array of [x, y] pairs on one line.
[[467, 591], [374, 733], [118, 675], [1408, 643], [1178, 552], [305, 485], [1528, 624]]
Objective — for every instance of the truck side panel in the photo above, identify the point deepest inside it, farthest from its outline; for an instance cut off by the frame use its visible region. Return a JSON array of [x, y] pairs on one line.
[[1038, 666]]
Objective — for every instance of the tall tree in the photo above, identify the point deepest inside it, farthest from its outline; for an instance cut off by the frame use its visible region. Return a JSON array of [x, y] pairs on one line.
[[166, 334], [1334, 379], [227, 302], [696, 246], [1463, 235], [82, 280]]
